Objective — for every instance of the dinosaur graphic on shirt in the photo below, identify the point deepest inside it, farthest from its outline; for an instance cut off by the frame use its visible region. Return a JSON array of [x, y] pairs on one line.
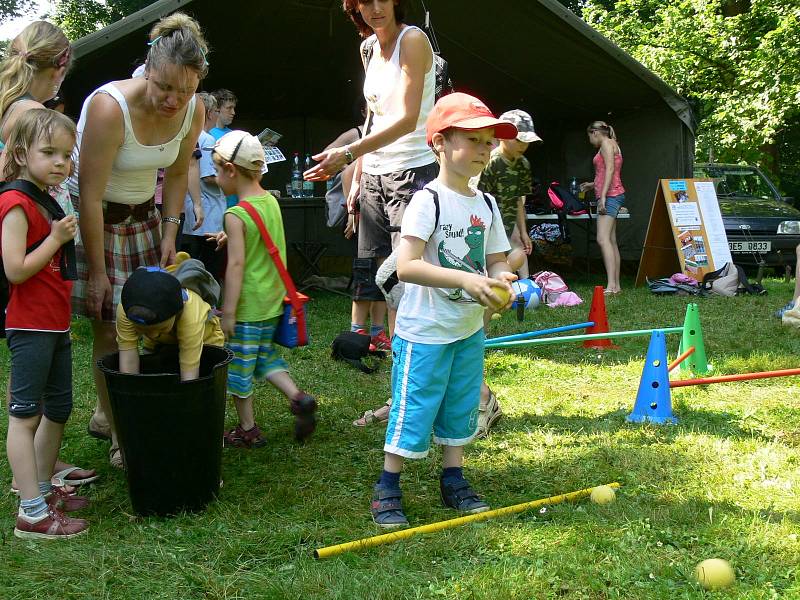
[[473, 261], [475, 258]]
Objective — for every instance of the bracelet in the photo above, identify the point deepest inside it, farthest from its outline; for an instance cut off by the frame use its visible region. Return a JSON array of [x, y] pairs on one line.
[[175, 220], [348, 155]]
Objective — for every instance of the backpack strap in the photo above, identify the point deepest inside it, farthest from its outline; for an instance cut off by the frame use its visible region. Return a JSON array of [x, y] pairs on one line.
[[274, 253], [68, 261], [435, 195], [366, 55]]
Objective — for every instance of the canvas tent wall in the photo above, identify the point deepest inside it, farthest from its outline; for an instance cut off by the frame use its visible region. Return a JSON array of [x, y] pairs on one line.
[[295, 67]]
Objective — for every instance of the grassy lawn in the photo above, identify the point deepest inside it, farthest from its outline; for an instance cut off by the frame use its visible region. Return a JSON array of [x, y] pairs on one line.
[[724, 482]]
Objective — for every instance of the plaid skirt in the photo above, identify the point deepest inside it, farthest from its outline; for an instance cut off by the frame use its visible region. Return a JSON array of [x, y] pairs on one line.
[[127, 246]]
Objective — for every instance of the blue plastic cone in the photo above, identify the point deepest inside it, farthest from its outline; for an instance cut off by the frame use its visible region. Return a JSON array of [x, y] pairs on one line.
[[653, 402]]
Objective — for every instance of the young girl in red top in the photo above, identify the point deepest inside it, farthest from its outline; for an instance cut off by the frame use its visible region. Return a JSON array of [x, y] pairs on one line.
[[38, 259], [610, 194]]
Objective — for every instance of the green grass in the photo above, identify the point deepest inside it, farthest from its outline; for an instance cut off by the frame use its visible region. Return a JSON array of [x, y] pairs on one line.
[[724, 482]]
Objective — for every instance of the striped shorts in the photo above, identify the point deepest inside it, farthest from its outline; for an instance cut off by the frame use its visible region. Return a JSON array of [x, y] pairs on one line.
[[126, 246], [255, 357]]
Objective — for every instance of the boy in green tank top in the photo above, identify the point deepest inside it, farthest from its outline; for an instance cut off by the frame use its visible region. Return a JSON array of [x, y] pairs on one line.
[[254, 292]]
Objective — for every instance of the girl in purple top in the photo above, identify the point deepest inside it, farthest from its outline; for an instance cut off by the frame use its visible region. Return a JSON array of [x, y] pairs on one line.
[[610, 194]]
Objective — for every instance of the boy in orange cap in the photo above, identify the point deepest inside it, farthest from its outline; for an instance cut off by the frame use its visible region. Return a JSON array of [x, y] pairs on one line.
[[452, 259]]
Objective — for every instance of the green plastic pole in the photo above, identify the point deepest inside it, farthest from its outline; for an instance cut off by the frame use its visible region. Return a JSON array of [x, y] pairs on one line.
[[586, 336]]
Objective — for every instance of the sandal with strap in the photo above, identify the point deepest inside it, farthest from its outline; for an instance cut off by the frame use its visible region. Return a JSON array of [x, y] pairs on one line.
[[72, 476], [115, 457], [378, 415], [386, 507], [458, 494]]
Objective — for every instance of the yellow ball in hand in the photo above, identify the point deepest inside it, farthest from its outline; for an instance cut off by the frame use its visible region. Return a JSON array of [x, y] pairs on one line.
[[501, 293], [714, 574], [603, 494], [496, 316]]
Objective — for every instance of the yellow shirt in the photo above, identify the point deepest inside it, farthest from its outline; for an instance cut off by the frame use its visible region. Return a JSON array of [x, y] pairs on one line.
[[194, 327]]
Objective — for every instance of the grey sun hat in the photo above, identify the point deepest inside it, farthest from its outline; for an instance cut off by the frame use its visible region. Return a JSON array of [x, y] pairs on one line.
[[523, 123]]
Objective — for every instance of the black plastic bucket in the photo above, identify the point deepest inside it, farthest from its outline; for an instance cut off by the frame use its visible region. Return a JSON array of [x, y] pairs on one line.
[[170, 431]]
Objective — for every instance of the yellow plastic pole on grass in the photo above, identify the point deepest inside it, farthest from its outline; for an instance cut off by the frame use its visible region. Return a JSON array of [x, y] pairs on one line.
[[395, 536]]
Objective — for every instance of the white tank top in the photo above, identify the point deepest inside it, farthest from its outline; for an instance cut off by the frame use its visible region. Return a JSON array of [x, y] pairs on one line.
[[382, 93], [133, 174]]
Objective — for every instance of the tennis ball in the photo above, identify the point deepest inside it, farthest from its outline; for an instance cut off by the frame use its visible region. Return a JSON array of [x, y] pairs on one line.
[[603, 494], [496, 316], [502, 293], [714, 574]]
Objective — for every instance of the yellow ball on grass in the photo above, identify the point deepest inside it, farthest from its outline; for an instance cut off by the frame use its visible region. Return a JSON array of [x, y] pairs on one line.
[[714, 574], [603, 494]]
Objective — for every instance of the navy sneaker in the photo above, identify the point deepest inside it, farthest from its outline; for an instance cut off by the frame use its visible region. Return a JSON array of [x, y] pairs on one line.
[[780, 311], [457, 493], [386, 507]]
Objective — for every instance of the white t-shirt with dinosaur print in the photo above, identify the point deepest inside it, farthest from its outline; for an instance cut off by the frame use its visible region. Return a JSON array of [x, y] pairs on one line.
[[467, 231]]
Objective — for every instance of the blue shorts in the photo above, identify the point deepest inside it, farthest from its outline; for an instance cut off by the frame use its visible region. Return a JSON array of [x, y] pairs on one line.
[[434, 386], [254, 356], [613, 204]]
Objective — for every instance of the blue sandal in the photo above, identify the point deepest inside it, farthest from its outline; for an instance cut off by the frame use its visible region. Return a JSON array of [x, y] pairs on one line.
[[386, 508], [458, 494]]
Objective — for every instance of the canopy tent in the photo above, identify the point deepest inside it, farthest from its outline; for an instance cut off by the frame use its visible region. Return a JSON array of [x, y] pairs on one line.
[[295, 67]]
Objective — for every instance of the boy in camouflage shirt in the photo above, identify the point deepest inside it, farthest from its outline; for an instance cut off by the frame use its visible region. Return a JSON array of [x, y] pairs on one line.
[[508, 178]]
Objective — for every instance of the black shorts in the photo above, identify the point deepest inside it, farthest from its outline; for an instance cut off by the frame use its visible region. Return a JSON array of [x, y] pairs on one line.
[[41, 374], [383, 201], [364, 287]]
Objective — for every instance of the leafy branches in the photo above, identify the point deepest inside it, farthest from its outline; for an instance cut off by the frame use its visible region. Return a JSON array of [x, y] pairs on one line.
[[740, 66], [81, 17]]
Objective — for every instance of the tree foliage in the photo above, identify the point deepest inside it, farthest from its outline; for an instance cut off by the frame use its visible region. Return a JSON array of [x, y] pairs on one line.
[[737, 61], [81, 17], [11, 9]]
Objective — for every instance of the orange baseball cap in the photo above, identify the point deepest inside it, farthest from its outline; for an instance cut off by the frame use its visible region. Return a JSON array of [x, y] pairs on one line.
[[463, 111]]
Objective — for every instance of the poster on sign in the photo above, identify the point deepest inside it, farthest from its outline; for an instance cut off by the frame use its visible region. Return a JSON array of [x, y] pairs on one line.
[[685, 233]]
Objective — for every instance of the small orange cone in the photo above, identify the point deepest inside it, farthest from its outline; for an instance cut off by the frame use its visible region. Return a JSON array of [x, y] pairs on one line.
[[597, 314]]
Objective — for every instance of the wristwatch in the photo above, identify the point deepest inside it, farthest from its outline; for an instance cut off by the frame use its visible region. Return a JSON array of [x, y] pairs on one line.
[[175, 220], [348, 155]]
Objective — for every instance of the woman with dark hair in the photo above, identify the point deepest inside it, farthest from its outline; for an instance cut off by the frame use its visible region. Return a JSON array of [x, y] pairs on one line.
[[392, 159], [126, 132], [610, 194]]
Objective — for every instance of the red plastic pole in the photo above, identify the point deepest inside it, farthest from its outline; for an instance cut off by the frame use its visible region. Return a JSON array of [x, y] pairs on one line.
[[741, 377], [681, 358]]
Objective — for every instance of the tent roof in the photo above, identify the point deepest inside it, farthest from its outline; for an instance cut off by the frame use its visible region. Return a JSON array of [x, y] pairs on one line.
[[298, 57]]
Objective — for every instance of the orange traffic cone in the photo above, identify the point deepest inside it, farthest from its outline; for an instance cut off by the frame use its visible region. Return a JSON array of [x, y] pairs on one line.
[[597, 314]]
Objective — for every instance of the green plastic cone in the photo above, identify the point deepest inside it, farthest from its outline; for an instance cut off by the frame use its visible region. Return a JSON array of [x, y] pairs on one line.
[[697, 363]]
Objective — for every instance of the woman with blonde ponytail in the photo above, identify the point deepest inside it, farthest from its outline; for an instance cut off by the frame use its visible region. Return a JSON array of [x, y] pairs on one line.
[[31, 74], [127, 131], [610, 194]]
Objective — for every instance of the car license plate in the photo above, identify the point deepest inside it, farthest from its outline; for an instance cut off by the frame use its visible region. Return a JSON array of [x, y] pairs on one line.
[[750, 246]]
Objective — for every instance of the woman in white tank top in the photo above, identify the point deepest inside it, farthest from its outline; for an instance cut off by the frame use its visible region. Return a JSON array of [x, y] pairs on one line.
[[399, 89], [127, 131], [392, 159]]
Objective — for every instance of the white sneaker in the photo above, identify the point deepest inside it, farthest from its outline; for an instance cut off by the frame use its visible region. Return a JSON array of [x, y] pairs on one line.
[[488, 414]]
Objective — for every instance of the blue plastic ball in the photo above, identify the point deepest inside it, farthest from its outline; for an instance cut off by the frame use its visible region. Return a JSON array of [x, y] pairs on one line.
[[529, 293]]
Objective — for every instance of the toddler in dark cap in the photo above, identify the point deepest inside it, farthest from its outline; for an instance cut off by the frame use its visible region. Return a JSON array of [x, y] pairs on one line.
[[155, 308]]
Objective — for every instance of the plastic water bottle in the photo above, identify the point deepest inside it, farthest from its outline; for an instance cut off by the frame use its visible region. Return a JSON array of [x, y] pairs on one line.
[[308, 186], [574, 189], [297, 177]]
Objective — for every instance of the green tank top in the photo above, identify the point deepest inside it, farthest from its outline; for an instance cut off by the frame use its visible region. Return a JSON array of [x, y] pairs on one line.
[[262, 289]]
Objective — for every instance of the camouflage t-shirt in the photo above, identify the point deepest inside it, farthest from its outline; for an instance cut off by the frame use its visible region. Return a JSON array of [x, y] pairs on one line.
[[506, 181]]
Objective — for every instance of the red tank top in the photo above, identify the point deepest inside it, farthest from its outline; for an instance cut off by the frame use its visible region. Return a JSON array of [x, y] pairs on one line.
[[42, 302], [615, 189]]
